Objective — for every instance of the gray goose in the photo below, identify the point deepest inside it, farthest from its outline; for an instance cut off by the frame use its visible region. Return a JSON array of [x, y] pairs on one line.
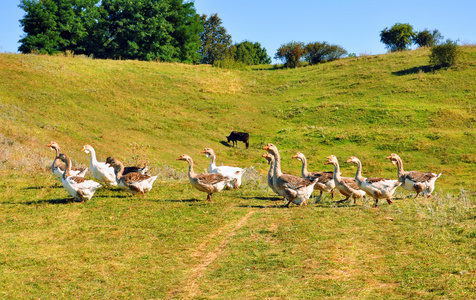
[[346, 185], [80, 188], [58, 169], [414, 181], [127, 170], [134, 182], [295, 189], [326, 179], [208, 183], [377, 188]]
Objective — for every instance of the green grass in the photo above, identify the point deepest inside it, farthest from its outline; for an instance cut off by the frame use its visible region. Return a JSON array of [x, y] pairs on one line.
[[173, 244]]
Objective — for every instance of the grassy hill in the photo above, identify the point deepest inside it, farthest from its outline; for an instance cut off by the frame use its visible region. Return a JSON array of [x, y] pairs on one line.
[[241, 245]]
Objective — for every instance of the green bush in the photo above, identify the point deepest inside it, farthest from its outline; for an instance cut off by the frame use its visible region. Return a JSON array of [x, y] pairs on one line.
[[230, 63], [291, 54], [444, 55]]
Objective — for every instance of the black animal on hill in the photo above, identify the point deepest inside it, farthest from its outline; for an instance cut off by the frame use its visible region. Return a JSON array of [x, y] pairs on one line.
[[236, 136]]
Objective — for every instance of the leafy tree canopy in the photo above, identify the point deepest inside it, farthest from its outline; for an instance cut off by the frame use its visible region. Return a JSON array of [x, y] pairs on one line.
[[427, 38], [398, 37], [215, 40], [141, 29]]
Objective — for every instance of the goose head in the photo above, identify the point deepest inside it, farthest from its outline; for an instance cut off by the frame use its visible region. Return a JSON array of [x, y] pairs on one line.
[[394, 158], [299, 156], [185, 157], [353, 160], [208, 152], [332, 160], [268, 157], [87, 148], [53, 145]]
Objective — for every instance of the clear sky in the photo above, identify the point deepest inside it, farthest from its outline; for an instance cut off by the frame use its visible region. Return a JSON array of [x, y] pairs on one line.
[[352, 24]]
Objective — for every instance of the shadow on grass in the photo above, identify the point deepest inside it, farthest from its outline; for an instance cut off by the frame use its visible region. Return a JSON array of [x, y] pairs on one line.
[[51, 201], [225, 144], [415, 70], [43, 187]]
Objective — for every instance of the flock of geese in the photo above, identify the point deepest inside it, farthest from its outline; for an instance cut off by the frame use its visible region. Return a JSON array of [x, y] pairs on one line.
[[292, 188]]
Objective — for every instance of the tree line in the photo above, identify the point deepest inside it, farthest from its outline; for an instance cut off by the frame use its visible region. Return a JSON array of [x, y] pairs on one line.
[[164, 30], [171, 30]]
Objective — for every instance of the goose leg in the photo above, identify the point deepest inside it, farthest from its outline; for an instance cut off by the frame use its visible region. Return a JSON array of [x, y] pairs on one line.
[[209, 197], [389, 201]]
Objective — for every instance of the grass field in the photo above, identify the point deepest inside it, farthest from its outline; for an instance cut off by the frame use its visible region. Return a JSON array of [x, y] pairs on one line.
[[173, 243]]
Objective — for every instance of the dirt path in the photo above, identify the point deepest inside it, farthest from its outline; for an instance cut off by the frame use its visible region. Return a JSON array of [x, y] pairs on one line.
[[189, 286]]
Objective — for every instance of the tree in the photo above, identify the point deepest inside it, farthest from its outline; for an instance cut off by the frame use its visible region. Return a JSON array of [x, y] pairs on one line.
[[397, 38], [321, 52], [426, 38], [291, 54], [215, 40], [444, 55], [250, 53], [53, 26], [167, 30], [186, 29]]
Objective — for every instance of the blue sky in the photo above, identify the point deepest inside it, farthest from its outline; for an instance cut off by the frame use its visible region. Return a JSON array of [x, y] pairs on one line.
[[353, 25]]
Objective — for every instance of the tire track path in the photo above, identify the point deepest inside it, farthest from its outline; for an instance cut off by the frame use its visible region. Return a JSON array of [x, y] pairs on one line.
[[189, 288]]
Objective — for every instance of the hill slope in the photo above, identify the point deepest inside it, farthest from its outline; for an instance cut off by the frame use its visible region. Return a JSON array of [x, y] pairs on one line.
[[368, 107], [173, 244]]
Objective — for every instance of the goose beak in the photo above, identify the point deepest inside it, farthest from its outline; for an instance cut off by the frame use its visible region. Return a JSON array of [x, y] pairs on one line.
[[266, 147], [295, 156], [49, 145], [204, 151], [265, 155], [349, 160], [83, 150], [389, 157]]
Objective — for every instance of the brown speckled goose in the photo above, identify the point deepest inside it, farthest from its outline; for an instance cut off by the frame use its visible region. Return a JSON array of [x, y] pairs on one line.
[[346, 185], [295, 189], [377, 188], [208, 183], [326, 179], [134, 182], [58, 169], [110, 160], [80, 188], [414, 181]]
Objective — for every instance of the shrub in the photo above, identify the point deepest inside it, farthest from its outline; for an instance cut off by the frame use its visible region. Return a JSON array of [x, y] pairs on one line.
[[291, 54], [322, 52], [444, 55], [426, 38]]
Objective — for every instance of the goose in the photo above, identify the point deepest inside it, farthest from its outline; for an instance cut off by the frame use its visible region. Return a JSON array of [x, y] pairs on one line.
[[234, 172], [346, 185], [295, 189], [326, 179], [377, 188], [100, 170], [134, 182], [80, 188], [270, 158], [208, 183], [414, 181], [127, 170], [58, 169]]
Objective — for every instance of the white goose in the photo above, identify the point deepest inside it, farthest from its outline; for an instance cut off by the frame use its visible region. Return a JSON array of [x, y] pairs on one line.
[[326, 179], [233, 172], [346, 185], [295, 189], [414, 181], [80, 188], [208, 183], [58, 169], [134, 182], [377, 188], [100, 170]]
